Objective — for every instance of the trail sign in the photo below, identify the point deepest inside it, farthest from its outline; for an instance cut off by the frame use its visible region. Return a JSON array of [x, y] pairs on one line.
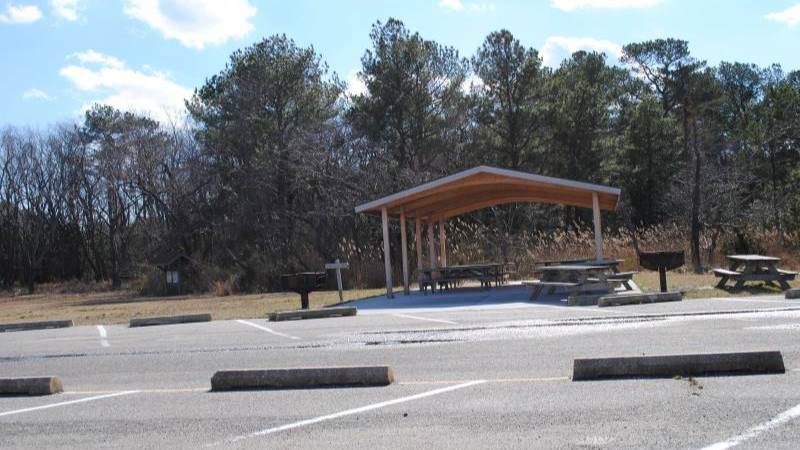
[[338, 266]]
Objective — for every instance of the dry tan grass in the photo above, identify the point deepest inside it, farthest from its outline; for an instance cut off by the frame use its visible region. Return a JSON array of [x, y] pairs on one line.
[[119, 307], [700, 286], [109, 307]]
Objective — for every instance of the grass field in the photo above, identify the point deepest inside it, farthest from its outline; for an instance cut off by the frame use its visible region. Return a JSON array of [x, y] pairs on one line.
[[109, 307], [701, 286], [119, 307]]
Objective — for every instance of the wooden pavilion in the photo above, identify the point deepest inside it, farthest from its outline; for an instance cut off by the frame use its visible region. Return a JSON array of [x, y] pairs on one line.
[[477, 188]]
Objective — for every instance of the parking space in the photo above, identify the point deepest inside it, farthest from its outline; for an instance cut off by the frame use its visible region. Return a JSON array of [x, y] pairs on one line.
[[499, 413]]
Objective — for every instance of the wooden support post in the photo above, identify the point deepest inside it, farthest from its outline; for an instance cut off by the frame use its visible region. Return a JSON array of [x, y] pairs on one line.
[[404, 243], [418, 243], [442, 245], [387, 260], [598, 228], [431, 245]]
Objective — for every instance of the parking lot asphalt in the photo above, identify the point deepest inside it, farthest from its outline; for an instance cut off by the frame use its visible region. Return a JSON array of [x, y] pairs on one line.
[[467, 377]]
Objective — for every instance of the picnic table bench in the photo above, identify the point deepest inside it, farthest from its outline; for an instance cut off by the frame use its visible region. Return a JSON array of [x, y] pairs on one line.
[[744, 268], [538, 286], [625, 278]]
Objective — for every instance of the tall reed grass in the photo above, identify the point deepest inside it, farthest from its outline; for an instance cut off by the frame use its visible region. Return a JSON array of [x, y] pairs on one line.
[[472, 243]]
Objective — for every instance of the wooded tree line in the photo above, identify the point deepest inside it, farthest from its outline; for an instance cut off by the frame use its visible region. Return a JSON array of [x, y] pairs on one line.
[[276, 152]]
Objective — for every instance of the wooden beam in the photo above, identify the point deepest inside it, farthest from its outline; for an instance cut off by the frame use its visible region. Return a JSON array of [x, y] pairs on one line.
[[404, 243], [598, 228], [442, 245], [387, 260]]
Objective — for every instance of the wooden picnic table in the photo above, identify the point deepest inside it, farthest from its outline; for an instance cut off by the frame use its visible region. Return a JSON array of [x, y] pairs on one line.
[[575, 278], [613, 264], [447, 275], [744, 268]]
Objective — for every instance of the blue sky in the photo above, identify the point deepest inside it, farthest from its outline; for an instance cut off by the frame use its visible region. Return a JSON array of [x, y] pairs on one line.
[[59, 56]]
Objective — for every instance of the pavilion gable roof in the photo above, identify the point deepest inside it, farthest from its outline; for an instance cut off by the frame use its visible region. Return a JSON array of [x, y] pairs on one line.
[[483, 187]]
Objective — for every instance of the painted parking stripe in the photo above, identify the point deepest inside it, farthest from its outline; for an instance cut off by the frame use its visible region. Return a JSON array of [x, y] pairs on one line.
[[71, 402], [746, 300], [407, 316], [350, 412], [268, 330], [757, 430], [103, 336]]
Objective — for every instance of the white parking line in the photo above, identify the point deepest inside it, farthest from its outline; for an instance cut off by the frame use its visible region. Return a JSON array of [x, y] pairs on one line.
[[71, 402], [350, 412], [779, 420], [745, 300], [103, 335], [268, 330], [426, 319]]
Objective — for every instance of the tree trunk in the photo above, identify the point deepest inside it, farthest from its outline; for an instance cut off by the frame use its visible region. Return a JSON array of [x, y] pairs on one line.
[[695, 228]]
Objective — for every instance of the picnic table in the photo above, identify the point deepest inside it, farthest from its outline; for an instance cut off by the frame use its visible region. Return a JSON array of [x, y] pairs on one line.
[[612, 264], [578, 279], [447, 276], [744, 268]]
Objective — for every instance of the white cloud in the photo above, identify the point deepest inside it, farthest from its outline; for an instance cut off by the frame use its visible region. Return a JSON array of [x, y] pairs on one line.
[[148, 92], [557, 48], [459, 6], [789, 16], [355, 85], [36, 94], [20, 14], [572, 5], [195, 23], [66, 9], [93, 57], [470, 83]]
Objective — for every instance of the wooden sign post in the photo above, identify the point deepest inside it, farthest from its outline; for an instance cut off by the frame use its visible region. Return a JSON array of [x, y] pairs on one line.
[[338, 266]]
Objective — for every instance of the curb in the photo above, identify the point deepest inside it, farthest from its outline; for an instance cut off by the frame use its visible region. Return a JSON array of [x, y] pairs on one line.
[[304, 378], [313, 313], [792, 294], [30, 386], [636, 299], [169, 320], [22, 326], [668, 366]]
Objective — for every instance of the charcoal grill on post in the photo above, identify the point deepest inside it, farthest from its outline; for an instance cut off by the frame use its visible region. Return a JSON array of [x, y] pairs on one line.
[[661, 261], [303, 283]]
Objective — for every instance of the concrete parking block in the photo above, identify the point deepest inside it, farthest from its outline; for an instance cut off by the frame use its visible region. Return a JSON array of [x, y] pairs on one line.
[[169, 320], [22, 326], [635, 299], [313, 313], [666, 366], [793, 294], [30, 386], [583, 300], [302, 378]]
